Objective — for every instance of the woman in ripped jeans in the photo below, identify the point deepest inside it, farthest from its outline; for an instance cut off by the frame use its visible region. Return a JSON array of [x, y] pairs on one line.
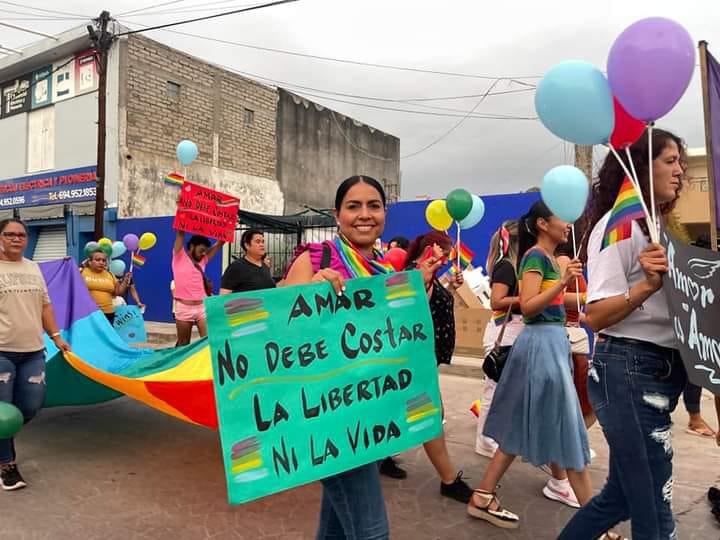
[[636, 376], [25, 311]]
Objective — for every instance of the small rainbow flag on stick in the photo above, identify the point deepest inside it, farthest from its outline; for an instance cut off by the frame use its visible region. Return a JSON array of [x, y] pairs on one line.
[[174, 179], [137, 259], [475, 408], [466, 254], [627, 208]]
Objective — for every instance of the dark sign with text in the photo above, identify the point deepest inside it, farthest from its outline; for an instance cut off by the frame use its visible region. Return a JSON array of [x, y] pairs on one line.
[[309, 384], [690, 285], [15, 96], [207, 212], [57, 187]]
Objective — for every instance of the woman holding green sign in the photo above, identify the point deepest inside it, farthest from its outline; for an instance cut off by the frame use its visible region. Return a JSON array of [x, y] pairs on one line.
[[352, 504]]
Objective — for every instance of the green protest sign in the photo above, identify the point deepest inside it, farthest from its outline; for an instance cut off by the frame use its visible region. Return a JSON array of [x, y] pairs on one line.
[[309, 384]]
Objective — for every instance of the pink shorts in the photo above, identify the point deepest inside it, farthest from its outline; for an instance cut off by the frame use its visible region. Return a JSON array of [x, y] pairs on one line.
[[189, 313]]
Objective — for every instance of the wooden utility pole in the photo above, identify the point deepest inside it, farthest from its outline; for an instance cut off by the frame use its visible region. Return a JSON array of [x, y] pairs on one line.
[[702, 46], [584, 160], [102, 41]]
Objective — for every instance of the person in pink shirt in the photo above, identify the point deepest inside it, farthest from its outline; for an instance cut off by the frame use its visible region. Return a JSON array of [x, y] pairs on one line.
[[191, 284]]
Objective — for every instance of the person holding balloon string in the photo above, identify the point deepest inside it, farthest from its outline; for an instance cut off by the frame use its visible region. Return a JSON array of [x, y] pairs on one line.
[[101, 283], [536, 383]]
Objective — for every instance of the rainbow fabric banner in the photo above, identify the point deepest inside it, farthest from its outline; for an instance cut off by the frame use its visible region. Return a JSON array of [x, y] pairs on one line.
[[627, 208], [176, 381], [174, 179]]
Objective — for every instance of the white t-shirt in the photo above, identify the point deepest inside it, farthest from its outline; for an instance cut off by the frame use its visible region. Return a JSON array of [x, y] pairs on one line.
[[612, 272]]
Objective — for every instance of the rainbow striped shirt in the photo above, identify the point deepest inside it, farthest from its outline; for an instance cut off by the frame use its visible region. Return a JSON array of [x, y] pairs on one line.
[[535, 260]]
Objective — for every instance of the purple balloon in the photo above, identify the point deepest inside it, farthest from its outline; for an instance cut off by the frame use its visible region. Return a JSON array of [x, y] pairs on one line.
[[650, 66], [131, 242]]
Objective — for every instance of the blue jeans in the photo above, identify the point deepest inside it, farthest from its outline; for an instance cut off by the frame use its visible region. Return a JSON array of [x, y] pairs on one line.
[[353, 507], [633, 387], [22, 383]]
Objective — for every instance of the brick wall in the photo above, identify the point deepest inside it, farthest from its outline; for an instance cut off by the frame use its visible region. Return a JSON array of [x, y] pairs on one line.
[[212, 103]]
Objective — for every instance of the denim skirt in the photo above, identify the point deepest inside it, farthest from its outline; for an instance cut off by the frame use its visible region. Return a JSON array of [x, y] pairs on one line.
[[535, 412]]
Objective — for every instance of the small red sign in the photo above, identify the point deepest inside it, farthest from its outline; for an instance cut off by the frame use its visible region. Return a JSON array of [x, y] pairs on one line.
[[207, 212]]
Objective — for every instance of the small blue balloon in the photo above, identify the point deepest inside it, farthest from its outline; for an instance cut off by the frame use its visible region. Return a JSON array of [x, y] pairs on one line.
[[117, 267], [186, 152], [118, 250], [476, 213], [574, 101], [565, 191]]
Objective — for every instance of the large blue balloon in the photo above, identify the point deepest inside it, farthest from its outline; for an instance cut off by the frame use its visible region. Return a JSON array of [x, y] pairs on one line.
[[118, 249], [117, 267], [574, 101], [186, 152], [476, 213], [565, 191]]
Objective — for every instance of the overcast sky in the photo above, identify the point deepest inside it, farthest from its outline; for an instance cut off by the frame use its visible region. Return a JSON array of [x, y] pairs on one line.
[[519, 39]]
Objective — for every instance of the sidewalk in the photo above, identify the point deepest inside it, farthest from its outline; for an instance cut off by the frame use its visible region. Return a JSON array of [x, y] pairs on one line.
[[123, 471]]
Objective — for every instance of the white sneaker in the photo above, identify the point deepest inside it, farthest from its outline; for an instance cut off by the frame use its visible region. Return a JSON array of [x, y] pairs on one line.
[[561, 491]]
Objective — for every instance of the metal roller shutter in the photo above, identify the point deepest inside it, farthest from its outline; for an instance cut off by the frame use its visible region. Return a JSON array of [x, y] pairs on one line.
[[51, 244]]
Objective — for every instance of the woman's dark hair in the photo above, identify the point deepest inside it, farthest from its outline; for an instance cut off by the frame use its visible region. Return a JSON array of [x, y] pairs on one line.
[[401, 241], [198, 240], [346, 184], [5, 222], [247, 238], [611, 175], [528, 229], [418, 246], [98, 250]]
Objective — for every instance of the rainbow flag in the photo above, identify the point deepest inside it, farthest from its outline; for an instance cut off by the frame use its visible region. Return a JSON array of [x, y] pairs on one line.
[[174, 179], [137, 259], [475, 408], [627, 208], [453, 270], [466, 254]]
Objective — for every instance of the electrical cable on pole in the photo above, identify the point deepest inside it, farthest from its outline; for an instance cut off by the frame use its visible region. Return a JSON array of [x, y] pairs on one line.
[[102, 40]]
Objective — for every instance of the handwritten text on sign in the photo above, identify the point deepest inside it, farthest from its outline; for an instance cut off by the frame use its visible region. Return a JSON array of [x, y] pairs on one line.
[[693, 276], [207, 212], [309, 384]]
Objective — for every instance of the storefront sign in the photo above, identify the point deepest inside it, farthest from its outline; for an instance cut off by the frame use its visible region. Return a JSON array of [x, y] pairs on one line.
[[41, 94], [56, 187], [15, 96]]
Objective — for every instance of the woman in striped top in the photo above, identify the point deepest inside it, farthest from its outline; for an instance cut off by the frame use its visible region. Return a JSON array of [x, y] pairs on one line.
[[536, 385]]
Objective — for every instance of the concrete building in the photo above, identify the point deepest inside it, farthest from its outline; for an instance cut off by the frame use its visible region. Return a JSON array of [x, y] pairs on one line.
[[275, 150], [693, 208]]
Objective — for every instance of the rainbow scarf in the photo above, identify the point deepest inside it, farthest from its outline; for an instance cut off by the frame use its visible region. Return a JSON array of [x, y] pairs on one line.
[[627, 208], [357, 264]]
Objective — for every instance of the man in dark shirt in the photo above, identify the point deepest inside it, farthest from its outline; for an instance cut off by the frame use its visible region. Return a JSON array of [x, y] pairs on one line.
[[249, 273]]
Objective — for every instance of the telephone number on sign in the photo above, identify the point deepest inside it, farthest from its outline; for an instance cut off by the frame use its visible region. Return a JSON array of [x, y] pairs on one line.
[[72, 194], [10, 201]]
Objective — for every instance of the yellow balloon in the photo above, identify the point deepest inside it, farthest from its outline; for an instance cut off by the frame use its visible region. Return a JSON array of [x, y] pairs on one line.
[[147, 240], [437, 215], [105, 242]]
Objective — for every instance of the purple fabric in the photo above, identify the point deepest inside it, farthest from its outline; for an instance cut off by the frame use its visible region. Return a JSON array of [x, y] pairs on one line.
[[316, 251], [69, 296], [713, 76]]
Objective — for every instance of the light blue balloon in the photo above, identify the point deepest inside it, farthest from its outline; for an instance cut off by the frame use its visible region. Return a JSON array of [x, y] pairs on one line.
[[476, 213], [565, 191], [186, 152], [118, 250], [117, 267], [574, 101]]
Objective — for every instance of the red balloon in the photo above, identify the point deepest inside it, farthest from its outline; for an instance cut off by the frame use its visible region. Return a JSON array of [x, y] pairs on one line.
[[396, 257], [627, 129]]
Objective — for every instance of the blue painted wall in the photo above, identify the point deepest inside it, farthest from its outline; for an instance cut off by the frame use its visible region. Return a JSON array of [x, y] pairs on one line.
[[408, 219], [153, 279]]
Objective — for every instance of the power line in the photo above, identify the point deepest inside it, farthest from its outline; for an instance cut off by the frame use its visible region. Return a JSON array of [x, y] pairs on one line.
[[514, 79], [190, 9], [457, 125], [38, 16], [243, 10], [146, 8], [25, 6], [355, 146]]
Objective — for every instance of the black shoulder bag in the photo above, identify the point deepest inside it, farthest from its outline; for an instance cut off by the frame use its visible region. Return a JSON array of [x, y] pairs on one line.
[[497, 357]]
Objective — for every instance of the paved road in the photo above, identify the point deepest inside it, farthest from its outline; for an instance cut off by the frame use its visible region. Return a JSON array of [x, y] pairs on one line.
[[122, 471]]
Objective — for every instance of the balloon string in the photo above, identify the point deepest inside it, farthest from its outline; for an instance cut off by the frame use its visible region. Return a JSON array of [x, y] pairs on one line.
[[652, 180], [632, 165], [577, 281], [652, 227], [458, 246]]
